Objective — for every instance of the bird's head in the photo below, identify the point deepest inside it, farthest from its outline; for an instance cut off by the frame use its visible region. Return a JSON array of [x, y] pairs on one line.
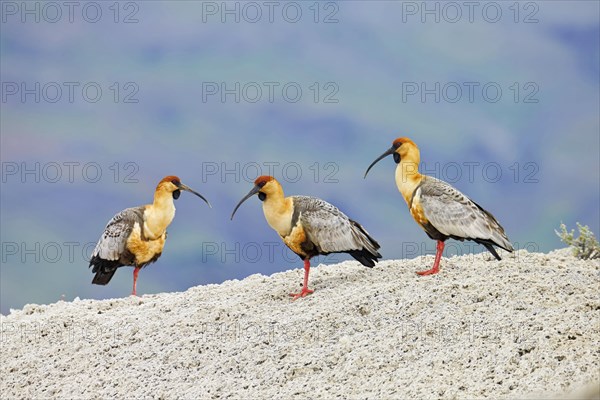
[[264, 186], [402, 148], [172, 184]]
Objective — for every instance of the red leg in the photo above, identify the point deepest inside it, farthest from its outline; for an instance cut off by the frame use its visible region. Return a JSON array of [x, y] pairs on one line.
[[305, 290], [436, 264], [135, 276]]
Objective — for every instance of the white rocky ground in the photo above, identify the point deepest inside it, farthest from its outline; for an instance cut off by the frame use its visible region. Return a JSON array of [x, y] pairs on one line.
[[523, 327]]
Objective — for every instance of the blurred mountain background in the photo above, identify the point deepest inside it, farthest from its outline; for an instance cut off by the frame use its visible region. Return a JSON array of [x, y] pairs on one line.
[[529, 154]]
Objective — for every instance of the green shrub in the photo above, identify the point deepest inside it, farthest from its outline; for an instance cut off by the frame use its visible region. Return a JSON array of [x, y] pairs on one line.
[[585, 246]]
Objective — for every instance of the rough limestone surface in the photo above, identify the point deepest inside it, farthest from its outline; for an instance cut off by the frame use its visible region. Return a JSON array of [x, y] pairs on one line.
[[521, 327]]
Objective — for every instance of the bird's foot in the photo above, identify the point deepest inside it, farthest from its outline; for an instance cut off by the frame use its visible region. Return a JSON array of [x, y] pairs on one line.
[[302, 293], [134, 294], [431, 271]]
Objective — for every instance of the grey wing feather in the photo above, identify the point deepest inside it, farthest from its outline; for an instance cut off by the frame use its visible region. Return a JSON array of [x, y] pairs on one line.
[[329, 228], [113, 241], [454, 214]]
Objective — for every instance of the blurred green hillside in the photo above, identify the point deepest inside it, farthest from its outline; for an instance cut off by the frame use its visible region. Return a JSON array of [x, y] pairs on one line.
[[530, 155]]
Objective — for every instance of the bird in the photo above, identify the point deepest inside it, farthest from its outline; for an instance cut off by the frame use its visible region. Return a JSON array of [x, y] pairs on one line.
[[441, 210], [310, 226], [136, 236]]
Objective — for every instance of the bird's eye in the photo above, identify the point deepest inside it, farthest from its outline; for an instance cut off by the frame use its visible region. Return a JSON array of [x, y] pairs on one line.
[[262, 196], [396, 158], [176, 194]]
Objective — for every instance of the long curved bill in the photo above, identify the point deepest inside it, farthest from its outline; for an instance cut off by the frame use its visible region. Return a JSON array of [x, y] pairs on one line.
[[389, 151], [189, 189], [254, 191]]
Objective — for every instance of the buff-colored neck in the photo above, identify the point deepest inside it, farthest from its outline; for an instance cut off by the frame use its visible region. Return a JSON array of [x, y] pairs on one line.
[[407, 172], [278, 209], [159, 214]]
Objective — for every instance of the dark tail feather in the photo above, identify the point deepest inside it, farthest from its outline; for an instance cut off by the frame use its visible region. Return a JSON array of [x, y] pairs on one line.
[[103, 277], [365, 257], [488, 245], [368, 255], [104, 270]]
